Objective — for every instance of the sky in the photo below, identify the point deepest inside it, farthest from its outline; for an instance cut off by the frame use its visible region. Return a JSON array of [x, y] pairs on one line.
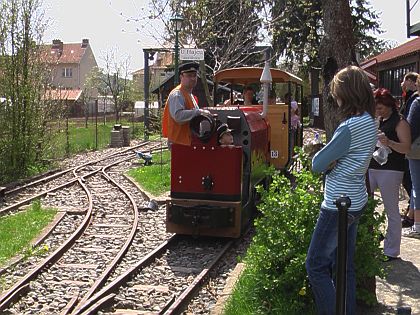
[[122, 26], [108, 25]]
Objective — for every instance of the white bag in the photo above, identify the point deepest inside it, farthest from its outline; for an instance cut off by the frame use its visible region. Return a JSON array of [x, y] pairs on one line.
[[381, 154]]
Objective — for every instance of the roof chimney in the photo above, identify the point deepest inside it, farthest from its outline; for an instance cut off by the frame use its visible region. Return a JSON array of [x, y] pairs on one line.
[[85, 42], [57, 45]]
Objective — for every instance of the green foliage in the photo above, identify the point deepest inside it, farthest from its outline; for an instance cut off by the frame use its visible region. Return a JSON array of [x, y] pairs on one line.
[[368, 259], [275, 271], [298, 29], [209, 25], [18, 230], [156, 177], [24, 113], [80, 139], [275, 279]]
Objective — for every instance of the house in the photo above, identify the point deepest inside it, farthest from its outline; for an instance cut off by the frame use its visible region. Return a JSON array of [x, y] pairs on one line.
[[159, 71], [70, 65], [387, 70]]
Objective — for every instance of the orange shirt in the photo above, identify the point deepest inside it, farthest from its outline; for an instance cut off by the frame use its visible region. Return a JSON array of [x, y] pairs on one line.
[[174, 131]]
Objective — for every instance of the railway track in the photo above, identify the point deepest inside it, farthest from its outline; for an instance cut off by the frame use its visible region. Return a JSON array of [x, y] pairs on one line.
[[97, 246], [163, 281], [24, 194], [106, 215]]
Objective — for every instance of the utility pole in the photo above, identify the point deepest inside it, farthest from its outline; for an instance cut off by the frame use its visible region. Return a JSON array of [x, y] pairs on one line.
[[147, 55], [177, 22]]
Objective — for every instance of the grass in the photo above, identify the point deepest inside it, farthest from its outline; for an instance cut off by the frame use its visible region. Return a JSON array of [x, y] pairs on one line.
[[241, 302], [18, 230], [84, 139], [156, 177]]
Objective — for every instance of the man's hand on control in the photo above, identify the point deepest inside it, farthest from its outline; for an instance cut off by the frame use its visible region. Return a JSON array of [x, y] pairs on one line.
[[204, 111]]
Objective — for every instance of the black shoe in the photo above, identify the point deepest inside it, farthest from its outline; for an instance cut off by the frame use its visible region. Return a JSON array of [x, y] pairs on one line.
[[407, 222]]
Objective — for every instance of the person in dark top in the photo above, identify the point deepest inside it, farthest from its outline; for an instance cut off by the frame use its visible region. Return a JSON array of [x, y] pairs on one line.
[[249, 96], [394, 134], [409, 88], [414, 120]]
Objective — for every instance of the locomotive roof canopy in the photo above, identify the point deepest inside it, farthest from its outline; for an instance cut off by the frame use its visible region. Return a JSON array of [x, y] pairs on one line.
[[248, 75]]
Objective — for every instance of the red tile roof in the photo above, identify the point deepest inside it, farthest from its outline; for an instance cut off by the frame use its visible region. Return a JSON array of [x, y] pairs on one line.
[[71, 95], [71, 53], [405, 49]]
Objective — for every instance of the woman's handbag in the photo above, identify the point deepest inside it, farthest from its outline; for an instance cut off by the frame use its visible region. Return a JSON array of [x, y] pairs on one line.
[[414, 153]]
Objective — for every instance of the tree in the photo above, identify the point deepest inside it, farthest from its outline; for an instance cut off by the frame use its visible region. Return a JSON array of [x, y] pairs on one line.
[[297, 28], [116, 81], [214, 27], [336, 51], [23, 75], [90, 91]]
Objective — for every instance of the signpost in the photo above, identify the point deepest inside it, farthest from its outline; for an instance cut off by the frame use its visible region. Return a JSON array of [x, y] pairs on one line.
[[412, 30], [191, 54]]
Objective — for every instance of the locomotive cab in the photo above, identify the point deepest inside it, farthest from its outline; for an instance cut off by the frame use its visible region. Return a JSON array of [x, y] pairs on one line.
[[213, 185]]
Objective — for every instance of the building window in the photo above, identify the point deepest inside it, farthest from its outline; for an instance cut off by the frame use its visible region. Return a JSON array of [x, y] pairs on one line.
[[67, 73]]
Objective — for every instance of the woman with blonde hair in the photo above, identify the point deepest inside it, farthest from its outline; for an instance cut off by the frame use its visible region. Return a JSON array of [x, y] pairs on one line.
[[345, 160]]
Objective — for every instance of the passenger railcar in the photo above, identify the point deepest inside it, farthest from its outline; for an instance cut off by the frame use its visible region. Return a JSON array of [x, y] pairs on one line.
[[213, 186]]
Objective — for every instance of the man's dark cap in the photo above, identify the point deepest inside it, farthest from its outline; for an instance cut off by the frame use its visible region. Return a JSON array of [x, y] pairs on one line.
[[188, 67], [223, 128]]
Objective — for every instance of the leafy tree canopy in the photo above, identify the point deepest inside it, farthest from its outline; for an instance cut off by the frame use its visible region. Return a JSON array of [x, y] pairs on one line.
[[228, 30], [297, 30]]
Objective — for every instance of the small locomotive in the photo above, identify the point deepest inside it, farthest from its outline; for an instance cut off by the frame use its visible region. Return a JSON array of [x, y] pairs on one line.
[[213, 186]]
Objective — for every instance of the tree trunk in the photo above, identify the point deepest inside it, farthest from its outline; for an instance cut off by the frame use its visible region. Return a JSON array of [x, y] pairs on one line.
[[204, 82], [336, 52]]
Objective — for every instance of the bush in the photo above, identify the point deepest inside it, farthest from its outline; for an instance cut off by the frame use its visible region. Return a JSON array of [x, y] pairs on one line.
[[368, 258], [275, 279]]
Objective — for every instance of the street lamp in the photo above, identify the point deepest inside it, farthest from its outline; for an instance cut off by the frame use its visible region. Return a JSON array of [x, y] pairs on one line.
[[177, 23]]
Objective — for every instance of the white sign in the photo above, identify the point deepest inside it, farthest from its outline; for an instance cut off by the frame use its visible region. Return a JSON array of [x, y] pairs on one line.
[[274, 154], [315, 106], [191, 54]]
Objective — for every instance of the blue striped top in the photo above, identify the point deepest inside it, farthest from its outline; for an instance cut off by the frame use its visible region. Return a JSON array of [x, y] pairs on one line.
[[351, 147]]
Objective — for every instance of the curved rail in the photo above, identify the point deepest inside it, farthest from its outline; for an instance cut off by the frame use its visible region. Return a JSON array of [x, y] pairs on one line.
[[174, 306], [14, 291], [58, 174], [12, 294], [184, 298], [105, 275], [94, 302], [7, 209]]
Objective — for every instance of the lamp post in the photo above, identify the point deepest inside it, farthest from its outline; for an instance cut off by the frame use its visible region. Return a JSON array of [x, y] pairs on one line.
[[177, 22]]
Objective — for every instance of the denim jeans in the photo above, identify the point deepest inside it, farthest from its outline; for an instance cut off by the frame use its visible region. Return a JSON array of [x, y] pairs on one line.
[[321, 259]]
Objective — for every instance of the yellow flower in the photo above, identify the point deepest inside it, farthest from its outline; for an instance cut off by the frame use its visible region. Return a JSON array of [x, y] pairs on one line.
[[302, 291]]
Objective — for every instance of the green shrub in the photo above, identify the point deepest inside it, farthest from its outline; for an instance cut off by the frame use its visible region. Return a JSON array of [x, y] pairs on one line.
[[275, 278], [368, 258]]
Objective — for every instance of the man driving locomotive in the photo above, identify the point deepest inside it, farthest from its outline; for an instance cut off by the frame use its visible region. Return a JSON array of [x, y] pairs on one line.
[[181, 106]]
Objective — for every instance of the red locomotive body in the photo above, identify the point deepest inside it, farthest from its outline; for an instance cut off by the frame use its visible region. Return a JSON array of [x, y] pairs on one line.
[[213, 186], [210, 183]]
